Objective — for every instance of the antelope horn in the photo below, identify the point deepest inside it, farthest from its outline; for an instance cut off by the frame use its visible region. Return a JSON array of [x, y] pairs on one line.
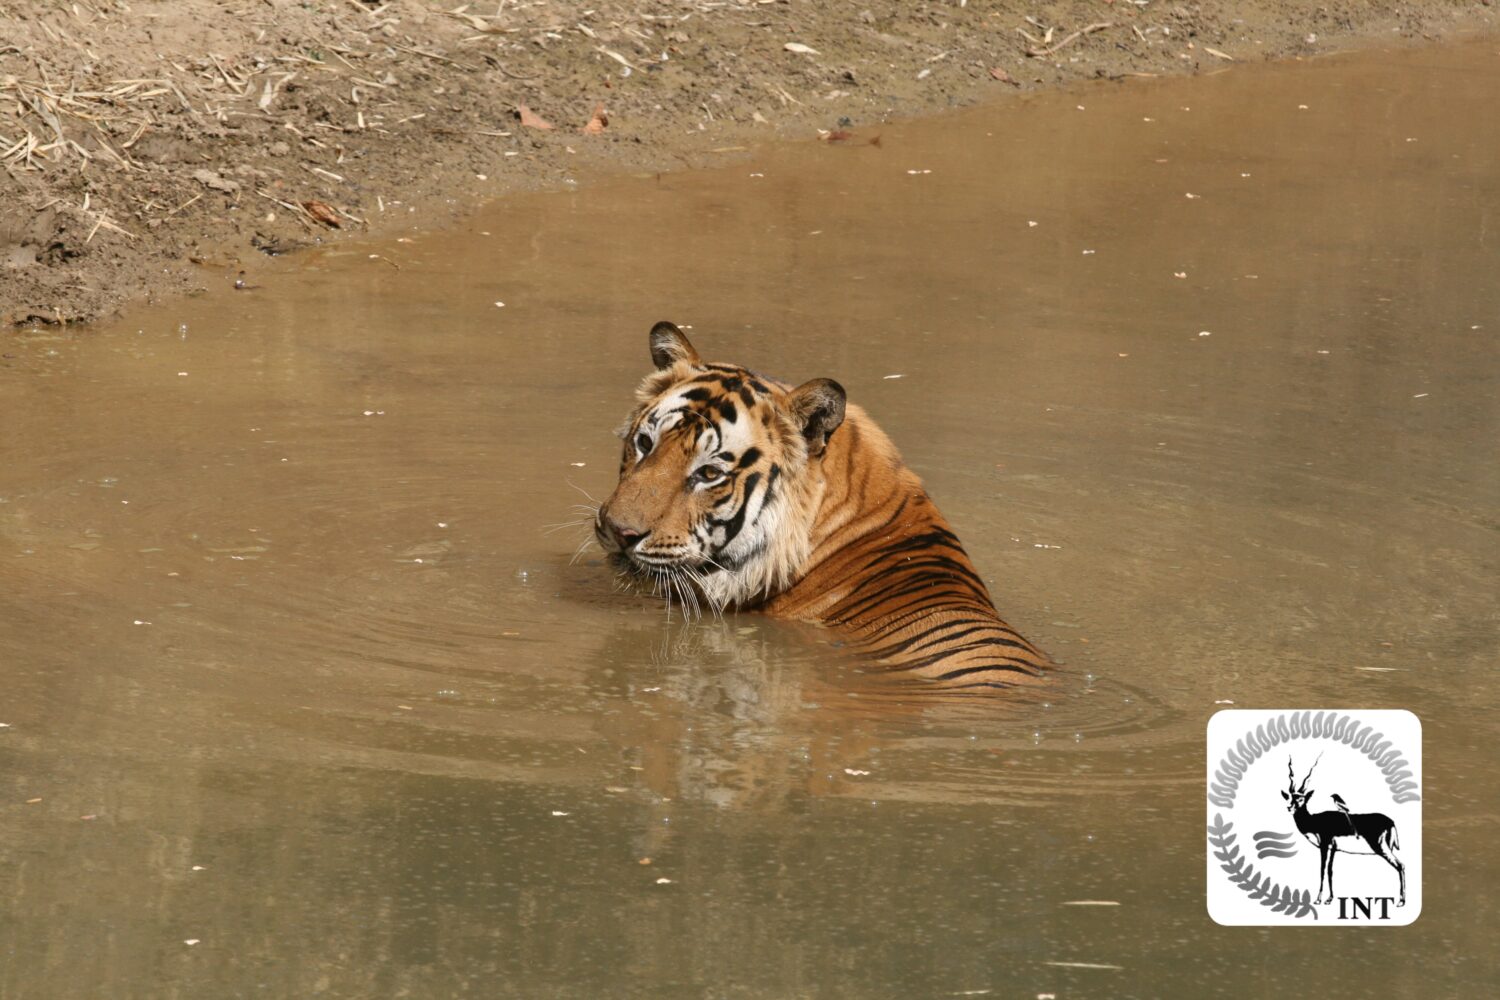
[[1309, 774], [1291, 779]]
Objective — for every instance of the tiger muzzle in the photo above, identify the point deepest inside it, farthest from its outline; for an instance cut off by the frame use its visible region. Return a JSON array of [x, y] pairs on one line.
[[622, 535]]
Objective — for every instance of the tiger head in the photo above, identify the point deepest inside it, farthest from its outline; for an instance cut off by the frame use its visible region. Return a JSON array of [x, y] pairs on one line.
[[721, 475]]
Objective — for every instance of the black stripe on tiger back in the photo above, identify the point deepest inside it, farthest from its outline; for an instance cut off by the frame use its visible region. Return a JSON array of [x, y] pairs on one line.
[[911, 576], [977, 628]]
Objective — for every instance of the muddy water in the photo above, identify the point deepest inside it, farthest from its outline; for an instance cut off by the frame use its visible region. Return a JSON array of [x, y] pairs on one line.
[[296, 667]]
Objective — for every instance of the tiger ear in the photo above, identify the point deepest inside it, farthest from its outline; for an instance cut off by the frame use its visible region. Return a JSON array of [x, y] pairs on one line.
[[818, 409], [669, 345]]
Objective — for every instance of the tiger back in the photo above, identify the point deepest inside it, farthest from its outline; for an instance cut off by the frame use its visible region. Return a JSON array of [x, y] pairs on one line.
[[744, 492]]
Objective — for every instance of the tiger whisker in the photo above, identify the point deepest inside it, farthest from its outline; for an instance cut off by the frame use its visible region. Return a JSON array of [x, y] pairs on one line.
[[587, 495], [582, 548], [683, 586], [717, 604], [674, 588], [687, 590], [548, 529], [687, 599], [660, 590], [708, 598], [702, 595]]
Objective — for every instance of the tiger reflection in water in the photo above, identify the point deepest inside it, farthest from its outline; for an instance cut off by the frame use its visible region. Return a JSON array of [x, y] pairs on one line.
[[750, 716], [744, 492]]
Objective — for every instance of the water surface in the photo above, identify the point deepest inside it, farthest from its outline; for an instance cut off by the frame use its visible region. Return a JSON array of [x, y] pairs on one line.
[[1201, 370]]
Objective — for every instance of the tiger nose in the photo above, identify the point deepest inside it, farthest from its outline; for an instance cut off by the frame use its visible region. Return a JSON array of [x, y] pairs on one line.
[[624, 535]]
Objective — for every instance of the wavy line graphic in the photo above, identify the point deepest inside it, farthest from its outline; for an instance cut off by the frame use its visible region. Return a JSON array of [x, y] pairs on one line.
[[1271, 844]]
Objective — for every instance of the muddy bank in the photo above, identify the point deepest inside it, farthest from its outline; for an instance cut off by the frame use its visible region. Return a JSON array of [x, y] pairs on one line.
[[154, 149]]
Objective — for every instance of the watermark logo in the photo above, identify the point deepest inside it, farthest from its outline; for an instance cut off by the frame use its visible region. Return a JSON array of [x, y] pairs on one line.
[[1314, 817]]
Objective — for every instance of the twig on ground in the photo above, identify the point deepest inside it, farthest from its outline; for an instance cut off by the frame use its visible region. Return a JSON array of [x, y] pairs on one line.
[[183, 205], [1035, 52], [432, 55]]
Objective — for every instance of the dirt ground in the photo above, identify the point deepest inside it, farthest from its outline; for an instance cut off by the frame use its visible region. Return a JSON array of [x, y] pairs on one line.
[[150, 148]]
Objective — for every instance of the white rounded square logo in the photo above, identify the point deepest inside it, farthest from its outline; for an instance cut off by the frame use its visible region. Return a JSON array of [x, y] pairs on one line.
[[1314, 817]]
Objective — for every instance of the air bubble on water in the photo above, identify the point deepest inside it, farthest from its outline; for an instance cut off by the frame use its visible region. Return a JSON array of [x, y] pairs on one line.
[[1077, 737], [182, 330], [1036, 736], [523, 575]]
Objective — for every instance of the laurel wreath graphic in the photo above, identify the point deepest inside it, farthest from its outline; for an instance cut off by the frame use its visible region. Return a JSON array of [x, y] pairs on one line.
[[1261, 740], [1260, 887], [1291, 726]]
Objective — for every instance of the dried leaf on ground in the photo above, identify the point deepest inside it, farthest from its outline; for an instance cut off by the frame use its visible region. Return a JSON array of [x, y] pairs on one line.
[[1000, 74], [530, 118], [597, 122], [798, 47], [323, 212]]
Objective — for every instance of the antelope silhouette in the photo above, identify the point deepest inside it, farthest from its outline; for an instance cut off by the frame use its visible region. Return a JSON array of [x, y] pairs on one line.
[[1328, 829]]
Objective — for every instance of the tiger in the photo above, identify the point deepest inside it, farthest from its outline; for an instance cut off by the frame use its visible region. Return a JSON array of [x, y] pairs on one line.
[[746, 493]]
